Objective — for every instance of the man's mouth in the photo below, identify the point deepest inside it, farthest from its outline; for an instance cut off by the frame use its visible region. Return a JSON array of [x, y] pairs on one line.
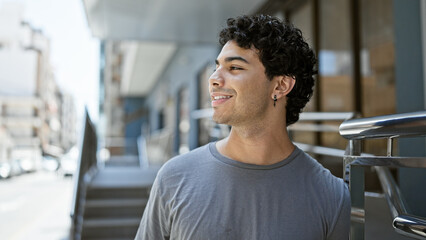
[[219, 99]]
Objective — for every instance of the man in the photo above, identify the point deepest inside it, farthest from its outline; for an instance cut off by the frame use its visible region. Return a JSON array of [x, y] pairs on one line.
[[254, 184]]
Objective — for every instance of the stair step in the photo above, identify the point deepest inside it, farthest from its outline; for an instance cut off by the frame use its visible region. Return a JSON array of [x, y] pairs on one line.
[[116, 202], [118, 208], [105, 192], [114, 228], [124, 177], [127, 160], [113, 222], [109, 238]]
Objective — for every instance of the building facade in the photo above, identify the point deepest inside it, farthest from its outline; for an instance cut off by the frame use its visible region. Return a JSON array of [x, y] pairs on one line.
[[35, 114]]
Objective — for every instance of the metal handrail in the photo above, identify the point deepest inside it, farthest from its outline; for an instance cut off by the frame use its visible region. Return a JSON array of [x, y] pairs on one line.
[[326, 116], [403, 222], [388, 126], [411, 226], [86, 167]]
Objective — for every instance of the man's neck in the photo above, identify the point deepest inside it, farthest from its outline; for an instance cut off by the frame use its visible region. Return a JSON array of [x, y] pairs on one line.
[[264, 145]]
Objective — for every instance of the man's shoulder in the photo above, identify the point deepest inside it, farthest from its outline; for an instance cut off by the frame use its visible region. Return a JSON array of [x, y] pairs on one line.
[[331, 191], [186, 161], [321, 177], [332, 194]]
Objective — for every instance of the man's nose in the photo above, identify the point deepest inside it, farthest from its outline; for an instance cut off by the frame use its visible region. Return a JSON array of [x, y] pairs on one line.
[[216, 79]]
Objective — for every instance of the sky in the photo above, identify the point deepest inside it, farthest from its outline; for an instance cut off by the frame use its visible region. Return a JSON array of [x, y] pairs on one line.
[[74, 52]]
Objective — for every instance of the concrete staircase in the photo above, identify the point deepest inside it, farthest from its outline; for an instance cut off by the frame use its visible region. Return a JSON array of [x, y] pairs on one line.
[[115, 201]]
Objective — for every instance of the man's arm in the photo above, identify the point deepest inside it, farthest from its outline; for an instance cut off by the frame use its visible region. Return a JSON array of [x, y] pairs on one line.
[[155, 219], [343, 223]]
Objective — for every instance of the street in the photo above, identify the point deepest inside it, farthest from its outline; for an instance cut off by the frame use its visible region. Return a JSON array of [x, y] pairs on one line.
[[35, 206]]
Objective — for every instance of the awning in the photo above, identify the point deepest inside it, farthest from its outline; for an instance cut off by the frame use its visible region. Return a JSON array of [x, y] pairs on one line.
[[188, 21], [143, 64]]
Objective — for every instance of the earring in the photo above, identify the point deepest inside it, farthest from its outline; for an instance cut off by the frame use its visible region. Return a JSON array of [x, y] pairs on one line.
[[275, 99]]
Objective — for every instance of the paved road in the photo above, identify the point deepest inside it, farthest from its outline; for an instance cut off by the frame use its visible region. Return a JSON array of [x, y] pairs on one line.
[[35, 206]]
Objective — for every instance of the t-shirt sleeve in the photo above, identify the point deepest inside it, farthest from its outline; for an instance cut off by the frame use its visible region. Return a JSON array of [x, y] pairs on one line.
[[155, 221], [341, 228]]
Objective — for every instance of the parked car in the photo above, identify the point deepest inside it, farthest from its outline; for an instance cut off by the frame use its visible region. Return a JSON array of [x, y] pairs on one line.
[[68, 162], [50, 163], [10, 168], [5, 170], [29, 158]]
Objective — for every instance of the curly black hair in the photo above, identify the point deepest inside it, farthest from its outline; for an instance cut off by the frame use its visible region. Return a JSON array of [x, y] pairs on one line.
[[282, 51]]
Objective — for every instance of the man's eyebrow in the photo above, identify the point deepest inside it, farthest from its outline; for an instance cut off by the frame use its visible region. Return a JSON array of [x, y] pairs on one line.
[[230, 59]]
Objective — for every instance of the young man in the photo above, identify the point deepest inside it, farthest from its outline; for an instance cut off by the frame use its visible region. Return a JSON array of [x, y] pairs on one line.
[[254, 184]]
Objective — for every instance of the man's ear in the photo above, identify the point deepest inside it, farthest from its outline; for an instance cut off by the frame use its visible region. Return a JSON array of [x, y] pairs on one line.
[[283, 86]]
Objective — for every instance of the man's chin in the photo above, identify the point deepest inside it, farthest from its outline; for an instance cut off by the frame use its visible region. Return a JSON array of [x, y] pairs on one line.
[[219, 119]]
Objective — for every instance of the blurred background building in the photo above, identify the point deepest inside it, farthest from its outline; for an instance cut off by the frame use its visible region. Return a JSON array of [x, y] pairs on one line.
[[157, 57], [37, 118]]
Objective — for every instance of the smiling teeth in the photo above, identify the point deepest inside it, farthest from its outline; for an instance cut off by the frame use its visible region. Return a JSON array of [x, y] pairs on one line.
[[220, 97]]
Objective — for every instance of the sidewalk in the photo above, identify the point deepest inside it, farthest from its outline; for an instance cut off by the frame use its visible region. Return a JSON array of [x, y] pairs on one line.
[[40, 209], [54, 224]]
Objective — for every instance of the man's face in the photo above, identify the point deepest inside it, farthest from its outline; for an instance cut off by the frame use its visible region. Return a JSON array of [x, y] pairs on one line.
[[239, 89]]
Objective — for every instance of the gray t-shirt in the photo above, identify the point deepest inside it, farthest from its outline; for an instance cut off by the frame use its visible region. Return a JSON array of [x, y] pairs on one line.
[[204, 195]]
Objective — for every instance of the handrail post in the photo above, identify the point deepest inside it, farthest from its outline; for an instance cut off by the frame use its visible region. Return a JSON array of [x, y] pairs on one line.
[[354, 176], [354, 147], [389, 147]]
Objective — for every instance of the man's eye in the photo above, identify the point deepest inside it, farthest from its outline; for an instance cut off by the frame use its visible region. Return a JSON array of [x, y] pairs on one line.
[[235, 68]]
